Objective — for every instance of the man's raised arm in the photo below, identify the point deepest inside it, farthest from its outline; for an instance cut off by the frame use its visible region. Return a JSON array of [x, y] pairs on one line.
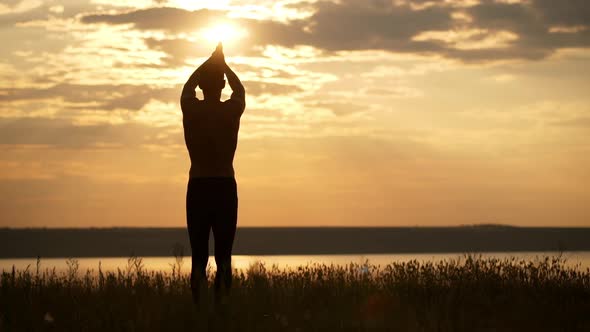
[[188, 91], [238, 92]]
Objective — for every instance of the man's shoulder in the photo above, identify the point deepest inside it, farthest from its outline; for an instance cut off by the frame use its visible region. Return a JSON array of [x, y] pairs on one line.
[[232, 103], [190, 104], [236, 103]]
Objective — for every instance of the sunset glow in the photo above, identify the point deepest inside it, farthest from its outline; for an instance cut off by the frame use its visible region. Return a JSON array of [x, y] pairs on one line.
[[370, 113], [226, 33]]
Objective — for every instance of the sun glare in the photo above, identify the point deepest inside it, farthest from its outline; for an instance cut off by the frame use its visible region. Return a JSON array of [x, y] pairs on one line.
[[223, 32]]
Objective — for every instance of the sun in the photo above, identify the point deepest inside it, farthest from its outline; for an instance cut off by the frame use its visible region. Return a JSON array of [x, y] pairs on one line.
[[226, 33]]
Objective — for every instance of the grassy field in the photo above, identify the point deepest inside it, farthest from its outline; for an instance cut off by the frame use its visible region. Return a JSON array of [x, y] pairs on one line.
[[471, 294]]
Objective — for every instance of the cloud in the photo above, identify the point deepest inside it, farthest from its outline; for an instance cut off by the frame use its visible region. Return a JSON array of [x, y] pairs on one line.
[[505, 30], [340, 108], [532, 24], [10, 3], [257, 88], [356, 25], [175, 21], [581, 122], [159, 18], [564, 12], [62, 133], [102, 96]]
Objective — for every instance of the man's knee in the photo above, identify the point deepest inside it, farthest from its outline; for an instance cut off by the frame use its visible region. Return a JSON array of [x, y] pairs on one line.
[[224, 266], [198, 273], [224, 271]]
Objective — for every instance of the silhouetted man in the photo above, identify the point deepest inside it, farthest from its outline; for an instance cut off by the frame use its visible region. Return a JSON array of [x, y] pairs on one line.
[[211, 135]]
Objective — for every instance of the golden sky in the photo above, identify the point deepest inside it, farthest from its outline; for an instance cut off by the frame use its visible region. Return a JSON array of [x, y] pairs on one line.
[[359, 113]]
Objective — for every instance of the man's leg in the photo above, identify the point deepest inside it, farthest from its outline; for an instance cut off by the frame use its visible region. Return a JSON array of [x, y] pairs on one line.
[[224, 230], [199, 225]]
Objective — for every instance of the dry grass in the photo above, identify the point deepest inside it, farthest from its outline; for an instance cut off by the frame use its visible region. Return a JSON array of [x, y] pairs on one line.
[[471, 294]]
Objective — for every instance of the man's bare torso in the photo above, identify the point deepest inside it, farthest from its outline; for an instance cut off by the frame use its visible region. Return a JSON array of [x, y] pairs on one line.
[[211, 136]]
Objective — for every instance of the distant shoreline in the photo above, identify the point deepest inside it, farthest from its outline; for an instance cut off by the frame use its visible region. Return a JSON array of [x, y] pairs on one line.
[[158, 242]]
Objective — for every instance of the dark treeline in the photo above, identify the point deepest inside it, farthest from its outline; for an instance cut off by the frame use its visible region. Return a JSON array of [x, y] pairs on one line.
[[117, 242]]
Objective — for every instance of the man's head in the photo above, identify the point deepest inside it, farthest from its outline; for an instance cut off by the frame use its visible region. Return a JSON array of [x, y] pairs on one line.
[[212, 80]]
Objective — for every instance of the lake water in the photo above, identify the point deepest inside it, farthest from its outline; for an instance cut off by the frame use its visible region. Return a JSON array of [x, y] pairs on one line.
[[574, 259]]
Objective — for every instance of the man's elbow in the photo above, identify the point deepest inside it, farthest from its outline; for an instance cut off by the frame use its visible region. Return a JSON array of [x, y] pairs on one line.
[[188, 91]]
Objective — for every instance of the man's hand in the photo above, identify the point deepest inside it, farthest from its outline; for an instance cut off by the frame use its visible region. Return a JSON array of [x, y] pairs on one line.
[[218, 58]]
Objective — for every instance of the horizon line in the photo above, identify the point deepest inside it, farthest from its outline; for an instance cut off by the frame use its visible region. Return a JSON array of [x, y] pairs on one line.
[[291, 227]]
